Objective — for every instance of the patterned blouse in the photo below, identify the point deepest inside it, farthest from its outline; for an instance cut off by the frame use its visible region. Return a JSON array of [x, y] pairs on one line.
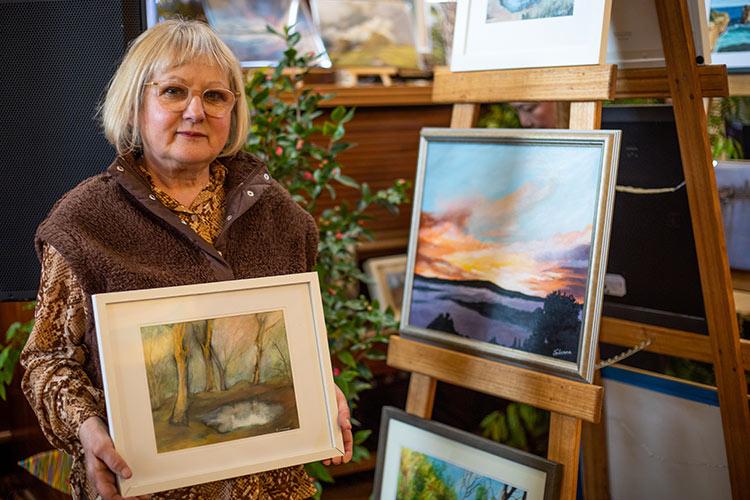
[[61, 393]]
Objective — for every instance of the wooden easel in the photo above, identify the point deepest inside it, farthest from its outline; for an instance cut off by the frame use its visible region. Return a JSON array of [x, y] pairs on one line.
[[569, 402], [572, 403]]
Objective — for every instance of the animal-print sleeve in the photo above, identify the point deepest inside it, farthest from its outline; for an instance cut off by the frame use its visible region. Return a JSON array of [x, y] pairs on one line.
[[55, 383]]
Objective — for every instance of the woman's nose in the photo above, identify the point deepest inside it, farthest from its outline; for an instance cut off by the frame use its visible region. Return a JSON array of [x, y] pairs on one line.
[[194, 108]]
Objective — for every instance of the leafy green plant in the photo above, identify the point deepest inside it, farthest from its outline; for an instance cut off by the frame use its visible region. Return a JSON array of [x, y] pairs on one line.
[[301, 146], [10, 349], [520, 426], [723, 111]]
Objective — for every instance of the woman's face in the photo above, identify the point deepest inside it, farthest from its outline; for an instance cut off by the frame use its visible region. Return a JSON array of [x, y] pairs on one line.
[[187, 140]]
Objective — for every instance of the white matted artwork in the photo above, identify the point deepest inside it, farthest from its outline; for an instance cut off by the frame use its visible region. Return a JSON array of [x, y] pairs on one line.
[[211, 381], [635, 36], [729, 33], [664, 437], [368, 33], [504, 34], [387, 286], [413, 452]]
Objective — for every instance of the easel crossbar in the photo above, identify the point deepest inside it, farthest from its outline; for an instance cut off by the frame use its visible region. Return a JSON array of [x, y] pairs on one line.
[[541, 390]]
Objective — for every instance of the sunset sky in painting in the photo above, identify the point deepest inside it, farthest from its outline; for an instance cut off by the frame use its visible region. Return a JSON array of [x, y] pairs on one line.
[[518, 216]]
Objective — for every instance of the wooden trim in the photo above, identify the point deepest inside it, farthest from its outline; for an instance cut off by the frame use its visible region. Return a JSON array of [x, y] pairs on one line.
[[664, 340], [549, 392], [376, 95], [690, 117], [585, 115], [570, 83], [564, 448], [594, 459], [464, 115], [739, 85], [652, 82], [421, 395]]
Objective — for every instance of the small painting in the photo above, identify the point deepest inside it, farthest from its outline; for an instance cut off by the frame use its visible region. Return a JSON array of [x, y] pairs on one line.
[[419, 458], [448, 480], [368, 33], [387, 275], [219, 379], [212, 381], [733, 182], [440, 20], [503, 241], [730, 25], [518, 10], [729, 33]]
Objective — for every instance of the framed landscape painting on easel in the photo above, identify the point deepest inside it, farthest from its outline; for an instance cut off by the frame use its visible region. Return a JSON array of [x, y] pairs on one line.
[[505, 34], [729, 33], [509, 236]]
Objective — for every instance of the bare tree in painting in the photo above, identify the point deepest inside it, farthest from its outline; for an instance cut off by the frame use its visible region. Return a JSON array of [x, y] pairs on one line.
[[262, 320], [284, 368], [181, 351], [202, 331]]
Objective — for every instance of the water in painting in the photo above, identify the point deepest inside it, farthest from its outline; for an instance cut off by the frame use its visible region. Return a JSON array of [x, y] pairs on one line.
[[729, 23], [504, 243], [518, 10], [219, 379], [423, 476]]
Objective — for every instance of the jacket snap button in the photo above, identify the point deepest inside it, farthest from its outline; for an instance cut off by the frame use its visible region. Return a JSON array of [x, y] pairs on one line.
[[250, 194]]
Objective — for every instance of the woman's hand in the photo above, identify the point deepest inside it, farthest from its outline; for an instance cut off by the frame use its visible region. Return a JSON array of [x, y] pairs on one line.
[[102, 461], [346, 429]]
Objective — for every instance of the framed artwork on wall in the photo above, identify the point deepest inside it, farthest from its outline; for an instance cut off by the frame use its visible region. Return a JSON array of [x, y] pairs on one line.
[[440, 18], [729, 33], [211, 381], [242, 26], [503, 34], [635, 36], [508, 244], [413, 452], [387, 286], [369, 33]]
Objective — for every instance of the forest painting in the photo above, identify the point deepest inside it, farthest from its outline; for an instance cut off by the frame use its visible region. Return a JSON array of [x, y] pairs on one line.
[[503, 244], [219, 379], [423, 476]]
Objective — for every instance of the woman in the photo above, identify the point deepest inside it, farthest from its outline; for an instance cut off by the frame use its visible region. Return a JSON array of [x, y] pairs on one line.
[[181, 204]]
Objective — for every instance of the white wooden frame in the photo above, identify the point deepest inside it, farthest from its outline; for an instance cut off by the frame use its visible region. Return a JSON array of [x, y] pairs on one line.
[[578, 39], [119, 318]]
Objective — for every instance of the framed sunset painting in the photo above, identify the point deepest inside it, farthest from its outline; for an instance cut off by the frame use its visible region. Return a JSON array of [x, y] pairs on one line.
[[216, 380], [508, 244]]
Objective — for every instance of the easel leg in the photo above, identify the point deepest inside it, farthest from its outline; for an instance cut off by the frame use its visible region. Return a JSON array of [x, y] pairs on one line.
[[564, 447], [594, 452], [421, 395]]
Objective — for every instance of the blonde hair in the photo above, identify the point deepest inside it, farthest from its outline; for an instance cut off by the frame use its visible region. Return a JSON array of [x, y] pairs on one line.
[[166, 45]]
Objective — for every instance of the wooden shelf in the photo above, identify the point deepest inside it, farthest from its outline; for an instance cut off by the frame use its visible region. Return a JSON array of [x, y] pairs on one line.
[[739, 85], [664, 340], [549, 392], [652, 82], [572, 83]]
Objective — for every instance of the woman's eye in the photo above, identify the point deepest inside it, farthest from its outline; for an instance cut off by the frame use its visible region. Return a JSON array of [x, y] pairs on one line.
[[215, 96], [174, 92]]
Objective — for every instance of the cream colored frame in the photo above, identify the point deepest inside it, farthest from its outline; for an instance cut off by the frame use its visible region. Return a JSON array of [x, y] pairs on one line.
[[120, 315], [609, 143], [377, 269]]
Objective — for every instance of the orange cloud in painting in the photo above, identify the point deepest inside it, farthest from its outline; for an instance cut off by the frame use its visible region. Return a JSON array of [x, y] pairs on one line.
[[537, 267]]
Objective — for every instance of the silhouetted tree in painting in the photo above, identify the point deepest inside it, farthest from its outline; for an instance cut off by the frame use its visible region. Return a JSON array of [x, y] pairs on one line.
[[556, 327], [202, 331]]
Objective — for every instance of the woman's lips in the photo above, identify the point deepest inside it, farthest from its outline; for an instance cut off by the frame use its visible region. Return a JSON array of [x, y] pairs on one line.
[[190, 134]]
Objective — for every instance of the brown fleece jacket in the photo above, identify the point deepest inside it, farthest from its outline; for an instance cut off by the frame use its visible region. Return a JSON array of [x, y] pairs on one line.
[[116, 236]]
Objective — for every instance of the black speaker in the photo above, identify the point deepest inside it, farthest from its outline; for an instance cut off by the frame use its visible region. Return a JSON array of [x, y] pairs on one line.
[[57, 58]]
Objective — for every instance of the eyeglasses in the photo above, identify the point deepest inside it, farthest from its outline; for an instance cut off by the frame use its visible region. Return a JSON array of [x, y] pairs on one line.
[[174, 96]]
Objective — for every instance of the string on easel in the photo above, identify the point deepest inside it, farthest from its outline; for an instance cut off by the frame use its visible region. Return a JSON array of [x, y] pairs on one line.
[[638, 190], [624, 354]]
